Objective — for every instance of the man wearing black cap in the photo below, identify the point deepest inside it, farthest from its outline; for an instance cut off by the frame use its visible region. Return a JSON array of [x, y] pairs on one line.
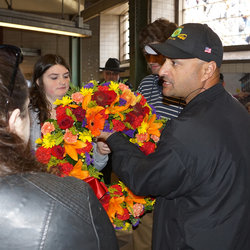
[[200, 171]]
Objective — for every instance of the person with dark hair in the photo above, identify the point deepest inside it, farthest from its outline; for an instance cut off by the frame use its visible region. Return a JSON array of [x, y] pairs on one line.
[[51, 78], [150, 86], [40, 210], [200, 170]]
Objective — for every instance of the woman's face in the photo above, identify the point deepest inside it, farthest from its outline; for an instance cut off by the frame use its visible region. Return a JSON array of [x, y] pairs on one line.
[[56, 82]]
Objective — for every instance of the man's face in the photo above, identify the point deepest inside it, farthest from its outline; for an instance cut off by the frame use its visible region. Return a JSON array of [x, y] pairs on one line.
[[182, 77], [111, 75]]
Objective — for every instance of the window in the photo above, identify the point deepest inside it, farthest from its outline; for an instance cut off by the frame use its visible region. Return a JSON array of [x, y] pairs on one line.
[[230, 19], [124, 37]]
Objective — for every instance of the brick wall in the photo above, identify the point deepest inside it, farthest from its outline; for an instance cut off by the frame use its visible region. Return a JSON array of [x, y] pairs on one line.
[[162, 8]]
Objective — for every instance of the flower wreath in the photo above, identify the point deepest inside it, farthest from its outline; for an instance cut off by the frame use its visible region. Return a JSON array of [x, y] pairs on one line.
[[66, 145]]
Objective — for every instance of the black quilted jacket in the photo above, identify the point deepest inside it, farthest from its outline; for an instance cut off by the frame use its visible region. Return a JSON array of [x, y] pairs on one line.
[[43, 211], [199, 174]]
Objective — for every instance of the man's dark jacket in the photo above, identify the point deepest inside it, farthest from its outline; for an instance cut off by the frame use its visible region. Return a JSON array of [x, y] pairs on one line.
[[199, 174], [43, 211]]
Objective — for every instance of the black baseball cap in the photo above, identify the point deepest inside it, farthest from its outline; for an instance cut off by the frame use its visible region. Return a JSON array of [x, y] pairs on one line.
[[191, 40]]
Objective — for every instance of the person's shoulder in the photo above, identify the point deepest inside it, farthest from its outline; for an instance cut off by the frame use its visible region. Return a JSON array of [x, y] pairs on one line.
[[150, 78]]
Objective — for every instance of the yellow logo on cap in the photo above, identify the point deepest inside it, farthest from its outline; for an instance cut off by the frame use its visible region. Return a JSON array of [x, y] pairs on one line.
[[177, 33]]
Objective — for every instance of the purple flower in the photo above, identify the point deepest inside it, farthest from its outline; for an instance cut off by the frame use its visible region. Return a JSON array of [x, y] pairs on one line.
[[153, 109], [129, 132], [89, 85], [88, 159], [84, 123], [106, 84], [136, 223], [107, 127], [122, 102]]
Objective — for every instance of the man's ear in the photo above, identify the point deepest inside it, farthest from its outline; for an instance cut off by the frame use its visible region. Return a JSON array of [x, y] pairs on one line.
[[209, 69], [37, 82], [14, 120]]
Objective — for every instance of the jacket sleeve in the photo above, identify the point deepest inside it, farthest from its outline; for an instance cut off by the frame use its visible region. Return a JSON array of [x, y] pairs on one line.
[[100, 161], [162, 173]]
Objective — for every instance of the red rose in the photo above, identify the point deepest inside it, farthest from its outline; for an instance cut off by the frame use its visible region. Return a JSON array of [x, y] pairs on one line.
[[43, 155], [134, 120], [143, 100], [86, 149], [125, 216], [118, 188], [148, 148], [138, 109], [146, 110], [65, 121], [60, 111], [79, 113], [102, 88], [65, 168], [58, 152], [105, 97], [118, 125]]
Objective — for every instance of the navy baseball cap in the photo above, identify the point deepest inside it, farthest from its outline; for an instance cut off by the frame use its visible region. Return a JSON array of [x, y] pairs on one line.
[[191, 40]]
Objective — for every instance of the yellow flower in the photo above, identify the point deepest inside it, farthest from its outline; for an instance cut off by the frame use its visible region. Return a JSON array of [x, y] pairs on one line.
[[66, 100], [38, 141], [114, 86], [85, 136], [85, 91], [143, 128], [48, 141], [126, 226]]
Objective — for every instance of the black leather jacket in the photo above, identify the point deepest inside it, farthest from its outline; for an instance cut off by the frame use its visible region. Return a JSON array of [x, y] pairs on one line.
[[43, 211]]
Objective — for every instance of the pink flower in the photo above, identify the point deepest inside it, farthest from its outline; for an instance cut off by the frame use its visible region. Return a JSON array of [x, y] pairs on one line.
[[138, 209], [77, 97], [155, 138], [123, 86], [47, 127], [69, 137], [142, 137]]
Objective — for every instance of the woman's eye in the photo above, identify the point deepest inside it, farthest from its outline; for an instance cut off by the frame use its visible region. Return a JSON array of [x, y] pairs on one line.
[[53, 78]]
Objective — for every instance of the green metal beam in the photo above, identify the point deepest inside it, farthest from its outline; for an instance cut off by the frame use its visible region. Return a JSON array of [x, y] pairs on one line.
[[76, 60], [139, 15]]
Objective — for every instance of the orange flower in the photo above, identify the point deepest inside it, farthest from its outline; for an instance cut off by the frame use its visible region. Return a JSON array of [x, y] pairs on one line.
[[78, 172], [153, 127], [95, 120], [115, 207], [70, 149], [86, 101]]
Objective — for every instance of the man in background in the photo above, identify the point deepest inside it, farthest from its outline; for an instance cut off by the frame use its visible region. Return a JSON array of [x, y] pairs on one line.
[[112, 70]]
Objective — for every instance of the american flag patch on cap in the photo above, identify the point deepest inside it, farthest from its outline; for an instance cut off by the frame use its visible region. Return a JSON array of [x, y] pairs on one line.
[[208, 50]]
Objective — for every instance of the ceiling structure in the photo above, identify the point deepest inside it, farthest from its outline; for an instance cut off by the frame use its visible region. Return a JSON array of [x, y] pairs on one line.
[[69, 7]]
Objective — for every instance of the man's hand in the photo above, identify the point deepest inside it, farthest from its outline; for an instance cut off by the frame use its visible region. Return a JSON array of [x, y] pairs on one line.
[[102, 147]]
